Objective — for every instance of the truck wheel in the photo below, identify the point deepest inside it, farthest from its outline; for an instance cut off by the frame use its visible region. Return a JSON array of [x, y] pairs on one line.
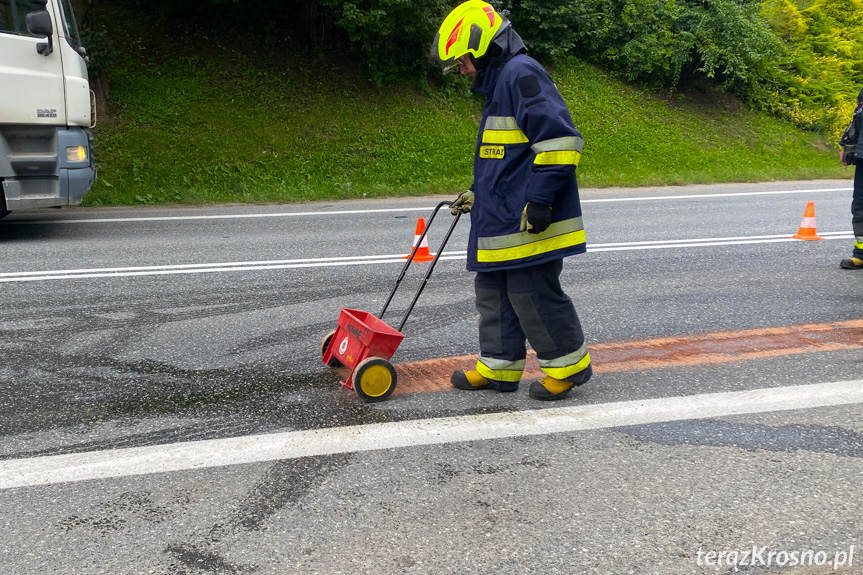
[[374, 379]]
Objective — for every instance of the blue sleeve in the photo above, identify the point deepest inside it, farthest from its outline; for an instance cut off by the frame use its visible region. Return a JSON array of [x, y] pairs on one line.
[[858, 149], [544, 118]]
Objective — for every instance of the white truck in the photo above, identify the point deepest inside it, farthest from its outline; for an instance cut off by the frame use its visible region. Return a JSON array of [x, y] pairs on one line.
[[46, 107]]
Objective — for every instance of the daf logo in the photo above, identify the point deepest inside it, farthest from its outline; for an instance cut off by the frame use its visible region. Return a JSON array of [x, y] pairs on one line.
[[52, 113]]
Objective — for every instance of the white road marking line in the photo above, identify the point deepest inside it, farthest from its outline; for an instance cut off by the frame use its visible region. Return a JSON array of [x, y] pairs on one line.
[[417, 209], [739, 241], [698, 240], [290, 445], [8, 277], [233, 267], [719, 195], [194, 266], [220, 216]]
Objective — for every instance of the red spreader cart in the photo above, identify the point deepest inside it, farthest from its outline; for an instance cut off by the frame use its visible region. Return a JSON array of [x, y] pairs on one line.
[[364, 343]]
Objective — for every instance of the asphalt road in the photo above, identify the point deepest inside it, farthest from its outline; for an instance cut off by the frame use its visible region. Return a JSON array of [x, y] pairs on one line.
[[148, 329]]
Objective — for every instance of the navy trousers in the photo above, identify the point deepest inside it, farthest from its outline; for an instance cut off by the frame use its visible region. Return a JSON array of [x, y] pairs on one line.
[[857, 212], [528, 304]]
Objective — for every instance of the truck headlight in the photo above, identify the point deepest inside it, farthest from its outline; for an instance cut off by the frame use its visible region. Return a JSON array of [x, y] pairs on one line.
[[76, 153]]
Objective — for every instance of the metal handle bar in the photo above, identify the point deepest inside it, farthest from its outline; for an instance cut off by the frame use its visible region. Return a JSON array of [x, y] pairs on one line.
[[411, 259]]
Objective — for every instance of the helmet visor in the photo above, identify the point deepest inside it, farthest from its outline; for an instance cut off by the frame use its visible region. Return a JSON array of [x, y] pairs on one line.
[[447, 68]]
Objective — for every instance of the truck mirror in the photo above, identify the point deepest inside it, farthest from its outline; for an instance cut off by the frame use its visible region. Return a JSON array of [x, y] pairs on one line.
[[82, 51], [39, 23]]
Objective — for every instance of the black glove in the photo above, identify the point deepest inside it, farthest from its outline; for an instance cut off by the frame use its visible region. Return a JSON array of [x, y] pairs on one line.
[[535, 218]]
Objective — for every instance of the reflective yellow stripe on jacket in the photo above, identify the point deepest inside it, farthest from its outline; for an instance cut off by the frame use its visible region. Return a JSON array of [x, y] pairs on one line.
[[502, 130], [559, 235], [558, 151]]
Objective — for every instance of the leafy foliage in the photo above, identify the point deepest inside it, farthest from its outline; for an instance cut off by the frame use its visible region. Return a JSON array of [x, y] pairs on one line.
[[100, 50], [393, 36], [733, 42], [547, 28], [221, 124], [665, 42], [819, 79], [800, 59]]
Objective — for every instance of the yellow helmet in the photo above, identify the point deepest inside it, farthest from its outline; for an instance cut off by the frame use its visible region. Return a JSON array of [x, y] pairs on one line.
[[469, 29]]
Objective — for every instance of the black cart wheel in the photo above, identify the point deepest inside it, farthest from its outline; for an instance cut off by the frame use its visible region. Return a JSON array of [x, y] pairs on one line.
[[374, 379], [325, 343]]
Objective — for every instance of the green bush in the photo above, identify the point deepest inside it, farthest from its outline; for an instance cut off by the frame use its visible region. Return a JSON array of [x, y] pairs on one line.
[[547, 28], [733, 43], [802, 61], [393, 36], [638, 40], [799, 59], [100, 50], [823, 71], [665, 42]]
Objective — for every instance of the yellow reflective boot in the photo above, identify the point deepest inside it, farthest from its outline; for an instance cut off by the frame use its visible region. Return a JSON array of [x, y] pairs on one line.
[[469, 380], [851, 263], [549, 389]]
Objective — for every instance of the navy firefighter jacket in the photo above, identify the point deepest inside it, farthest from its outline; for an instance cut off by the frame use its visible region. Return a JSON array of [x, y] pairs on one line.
[[858, 149], [527, 151]]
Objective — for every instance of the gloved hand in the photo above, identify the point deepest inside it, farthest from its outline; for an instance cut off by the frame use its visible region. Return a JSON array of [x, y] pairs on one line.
[[463, 203], [535, 218]]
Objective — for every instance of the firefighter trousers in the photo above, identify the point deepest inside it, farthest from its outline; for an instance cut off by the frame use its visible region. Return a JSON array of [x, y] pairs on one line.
[[528, 303], [857, 211]]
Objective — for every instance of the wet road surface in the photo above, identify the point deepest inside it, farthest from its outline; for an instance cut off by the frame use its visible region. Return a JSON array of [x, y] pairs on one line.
[[673, 300]]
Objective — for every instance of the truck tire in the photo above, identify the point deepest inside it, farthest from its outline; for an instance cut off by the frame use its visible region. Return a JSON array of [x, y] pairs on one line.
[[3, 211]]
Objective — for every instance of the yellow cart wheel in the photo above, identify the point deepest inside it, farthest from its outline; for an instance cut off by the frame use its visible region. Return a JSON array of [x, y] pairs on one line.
[[325, 343], [374, 379]]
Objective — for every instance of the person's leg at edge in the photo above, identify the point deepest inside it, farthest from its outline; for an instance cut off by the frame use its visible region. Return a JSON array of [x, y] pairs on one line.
[[552, 327], [855, 262], [501, 340]]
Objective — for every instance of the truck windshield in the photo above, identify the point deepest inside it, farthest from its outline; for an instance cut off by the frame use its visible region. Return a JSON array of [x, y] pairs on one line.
[[13, 19], [13, 16], [71, 28]]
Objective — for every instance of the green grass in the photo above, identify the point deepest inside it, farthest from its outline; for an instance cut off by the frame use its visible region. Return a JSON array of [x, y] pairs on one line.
[[636, 138], [225, 125]]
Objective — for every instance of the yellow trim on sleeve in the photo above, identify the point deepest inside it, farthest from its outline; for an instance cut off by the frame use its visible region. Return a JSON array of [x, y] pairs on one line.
[[557, 157], [504, 137]]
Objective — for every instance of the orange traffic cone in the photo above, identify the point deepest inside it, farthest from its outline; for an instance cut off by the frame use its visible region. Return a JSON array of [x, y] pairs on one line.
[[422, 254], [807, 226]]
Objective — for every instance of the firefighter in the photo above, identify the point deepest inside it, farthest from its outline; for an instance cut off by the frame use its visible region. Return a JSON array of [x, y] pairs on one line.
[[524, 206], [855, 262]]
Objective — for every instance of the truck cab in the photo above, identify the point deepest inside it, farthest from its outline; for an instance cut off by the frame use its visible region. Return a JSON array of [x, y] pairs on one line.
[[46, 107]]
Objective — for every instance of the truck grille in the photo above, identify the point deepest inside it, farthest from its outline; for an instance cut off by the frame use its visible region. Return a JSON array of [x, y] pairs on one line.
[[29, 166]]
